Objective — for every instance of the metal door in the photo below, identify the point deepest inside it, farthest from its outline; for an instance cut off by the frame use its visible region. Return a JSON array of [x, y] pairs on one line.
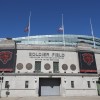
[[49, 87]]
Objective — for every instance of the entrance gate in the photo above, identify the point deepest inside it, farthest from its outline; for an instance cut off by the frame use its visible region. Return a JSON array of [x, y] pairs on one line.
[[49, 86]]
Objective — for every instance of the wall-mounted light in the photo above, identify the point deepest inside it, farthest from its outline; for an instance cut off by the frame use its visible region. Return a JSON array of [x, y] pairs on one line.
[[93, 81], [35, 80], [64, 80], [65, 71]]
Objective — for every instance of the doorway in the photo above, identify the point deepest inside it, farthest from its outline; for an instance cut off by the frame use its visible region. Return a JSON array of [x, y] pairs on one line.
[[98, 87], [49, 86]]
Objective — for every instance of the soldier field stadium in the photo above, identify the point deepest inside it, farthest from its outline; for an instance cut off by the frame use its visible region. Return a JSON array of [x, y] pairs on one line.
[[45, 65]]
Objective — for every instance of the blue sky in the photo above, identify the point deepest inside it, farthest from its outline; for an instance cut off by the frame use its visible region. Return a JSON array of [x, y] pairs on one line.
[[46, 17]]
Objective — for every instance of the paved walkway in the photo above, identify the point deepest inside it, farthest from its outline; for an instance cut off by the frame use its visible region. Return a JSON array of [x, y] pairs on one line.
[[53, 98]]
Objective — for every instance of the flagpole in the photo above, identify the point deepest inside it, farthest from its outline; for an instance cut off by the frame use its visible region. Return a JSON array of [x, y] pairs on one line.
[[29, 27], [63, 30], [92, 33]]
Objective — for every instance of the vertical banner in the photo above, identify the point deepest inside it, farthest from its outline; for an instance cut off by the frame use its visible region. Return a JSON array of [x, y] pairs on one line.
[[87, 62], [7, 60]]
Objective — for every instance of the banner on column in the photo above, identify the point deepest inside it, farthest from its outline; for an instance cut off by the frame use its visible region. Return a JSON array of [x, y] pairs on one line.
[[87, 62], [7, 60]]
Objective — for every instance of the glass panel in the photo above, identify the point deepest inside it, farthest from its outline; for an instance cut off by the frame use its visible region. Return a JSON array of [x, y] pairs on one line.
[[55, 67], [38, 66], [72, 84], [6, 84], [26, 84], [88, 82]]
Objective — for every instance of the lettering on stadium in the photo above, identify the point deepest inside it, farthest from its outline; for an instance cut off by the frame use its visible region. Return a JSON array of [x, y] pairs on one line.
[[46, 55]]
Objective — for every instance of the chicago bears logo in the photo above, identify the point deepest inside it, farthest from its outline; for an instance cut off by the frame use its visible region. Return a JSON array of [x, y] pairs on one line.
[[5, 56], [88, 58]]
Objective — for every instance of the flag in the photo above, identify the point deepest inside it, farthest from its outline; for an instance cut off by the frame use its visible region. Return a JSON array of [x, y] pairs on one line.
[[61, 29], [26, 28]]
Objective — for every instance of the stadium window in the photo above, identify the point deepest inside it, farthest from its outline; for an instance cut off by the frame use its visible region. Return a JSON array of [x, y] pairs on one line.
[[88, 83], [38, 66], [6, 84], [72, 84], [55, 67], [26, 84]]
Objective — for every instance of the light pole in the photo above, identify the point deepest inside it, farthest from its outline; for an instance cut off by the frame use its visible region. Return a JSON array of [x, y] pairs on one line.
[[1, 81]]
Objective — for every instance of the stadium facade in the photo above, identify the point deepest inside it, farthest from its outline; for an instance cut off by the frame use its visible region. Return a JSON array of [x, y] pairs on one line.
[[43, 66]]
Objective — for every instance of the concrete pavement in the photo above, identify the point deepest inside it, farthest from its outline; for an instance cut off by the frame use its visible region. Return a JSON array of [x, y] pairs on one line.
[[53, 98]]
